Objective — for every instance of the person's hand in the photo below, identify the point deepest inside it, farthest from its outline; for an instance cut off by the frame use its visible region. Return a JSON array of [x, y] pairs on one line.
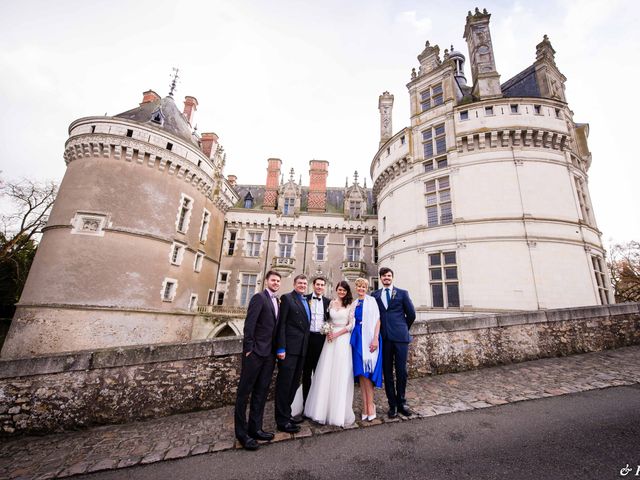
[[281, 355], [374, 346], [330, 336]]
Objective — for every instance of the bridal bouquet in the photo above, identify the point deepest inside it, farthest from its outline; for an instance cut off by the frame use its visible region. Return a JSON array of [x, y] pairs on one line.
[[325, 329]]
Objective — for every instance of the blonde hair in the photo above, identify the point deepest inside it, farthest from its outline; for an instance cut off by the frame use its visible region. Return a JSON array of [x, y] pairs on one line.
[[362, 281]]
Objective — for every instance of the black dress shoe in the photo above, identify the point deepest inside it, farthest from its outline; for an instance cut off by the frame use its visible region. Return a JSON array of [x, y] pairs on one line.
[[289, 428], [405, 410], [262, 435], [297, 419], [392, 413], [249, 443]]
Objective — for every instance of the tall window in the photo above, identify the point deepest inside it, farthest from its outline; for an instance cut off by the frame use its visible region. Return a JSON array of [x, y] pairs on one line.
[[232, 242], [210, 297], [204, 228], [177, 252], [289, 205], [431, 97], [286, 244], [443, 279], [220, 299], [253, 243], [247, 288], [184, 214], [355, 208], [321, 245], [375, 251], [197, 264], [438, 198], [583, 200], [434, 141], [193, 302], [169, 289], [353, 249], [598, 270]]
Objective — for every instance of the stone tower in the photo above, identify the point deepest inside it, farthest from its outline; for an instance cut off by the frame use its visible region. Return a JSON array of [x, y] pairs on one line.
[[133, 241]]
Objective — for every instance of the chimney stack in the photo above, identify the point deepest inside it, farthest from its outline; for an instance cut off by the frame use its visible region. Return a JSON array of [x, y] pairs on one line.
[[385, 105], [209, 143], [149, 96], [318, 171], [232, 179], [190, 107], [486, 80], [271, 188]]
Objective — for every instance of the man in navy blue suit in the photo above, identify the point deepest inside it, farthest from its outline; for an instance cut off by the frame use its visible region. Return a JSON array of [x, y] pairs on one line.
[[396, 316]]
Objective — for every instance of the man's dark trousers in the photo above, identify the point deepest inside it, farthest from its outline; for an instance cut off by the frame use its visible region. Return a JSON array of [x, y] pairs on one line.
[[255, 377], [395, 354], [287, 382], [314, 349]]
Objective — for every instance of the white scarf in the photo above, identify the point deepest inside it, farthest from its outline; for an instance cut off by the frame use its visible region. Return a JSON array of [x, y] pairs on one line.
[[370, 317]]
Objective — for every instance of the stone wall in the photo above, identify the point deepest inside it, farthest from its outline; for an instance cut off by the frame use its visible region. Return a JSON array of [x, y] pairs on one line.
[[75, 390]]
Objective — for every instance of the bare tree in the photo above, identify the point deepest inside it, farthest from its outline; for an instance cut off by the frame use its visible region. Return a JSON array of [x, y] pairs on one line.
[[26, 206], [624, 268], [28, 203]]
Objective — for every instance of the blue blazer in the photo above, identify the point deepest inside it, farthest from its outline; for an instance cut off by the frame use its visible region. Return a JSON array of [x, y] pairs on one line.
[[397, 319]]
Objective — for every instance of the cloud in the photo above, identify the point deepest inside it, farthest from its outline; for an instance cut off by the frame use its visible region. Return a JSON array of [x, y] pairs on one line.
[[419, 25]]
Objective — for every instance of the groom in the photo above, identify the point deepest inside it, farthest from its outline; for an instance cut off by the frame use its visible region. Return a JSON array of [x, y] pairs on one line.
[[291, 344], [396, 316]]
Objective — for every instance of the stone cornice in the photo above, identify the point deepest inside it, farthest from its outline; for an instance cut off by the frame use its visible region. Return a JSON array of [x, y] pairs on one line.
[[341, 226], [394, 170], [513, 137], [116, 147]]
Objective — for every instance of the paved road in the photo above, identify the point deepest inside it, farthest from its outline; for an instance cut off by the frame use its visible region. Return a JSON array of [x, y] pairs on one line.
[[196, 434], [589, 435]]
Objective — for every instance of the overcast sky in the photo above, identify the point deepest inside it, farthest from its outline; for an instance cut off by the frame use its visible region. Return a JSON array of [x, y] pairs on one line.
[[300, 80]]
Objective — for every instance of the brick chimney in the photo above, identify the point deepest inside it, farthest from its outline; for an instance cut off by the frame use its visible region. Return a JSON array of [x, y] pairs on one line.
[[271, 188], [209, 143], [190, 107], [149, 96], [318, 171]]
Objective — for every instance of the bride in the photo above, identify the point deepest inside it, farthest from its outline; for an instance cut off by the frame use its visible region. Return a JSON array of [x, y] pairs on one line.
[[330, 399]]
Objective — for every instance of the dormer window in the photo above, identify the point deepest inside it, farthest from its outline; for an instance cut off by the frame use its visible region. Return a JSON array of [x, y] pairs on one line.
[[355, 208], [157, 116], [431, 97], [289, 205], [248, 200]]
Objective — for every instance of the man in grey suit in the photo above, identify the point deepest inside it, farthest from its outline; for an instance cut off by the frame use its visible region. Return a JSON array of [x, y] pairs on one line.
[[396, 316]]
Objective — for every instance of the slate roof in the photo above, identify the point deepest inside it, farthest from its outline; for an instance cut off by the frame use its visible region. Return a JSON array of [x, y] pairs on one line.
[[335, 198], [174, 121], [524, 84]]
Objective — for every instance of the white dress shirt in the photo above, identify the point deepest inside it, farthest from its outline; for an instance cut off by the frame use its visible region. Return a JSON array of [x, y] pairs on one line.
[[317, 314], [383, 296]]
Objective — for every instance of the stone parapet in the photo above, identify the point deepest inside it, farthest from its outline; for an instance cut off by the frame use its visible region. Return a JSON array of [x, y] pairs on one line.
[[74, 390]]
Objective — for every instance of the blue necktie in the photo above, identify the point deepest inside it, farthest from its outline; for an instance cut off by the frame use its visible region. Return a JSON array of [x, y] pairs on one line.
[[388, 297], [306, 306]]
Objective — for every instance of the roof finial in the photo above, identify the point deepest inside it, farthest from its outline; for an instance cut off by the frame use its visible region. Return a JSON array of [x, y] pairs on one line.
[[174, 81], [355, 177], [291, 173]]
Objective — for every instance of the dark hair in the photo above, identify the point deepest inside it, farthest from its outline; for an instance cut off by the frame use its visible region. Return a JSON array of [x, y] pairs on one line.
[[319, 278], [384, 271], [348, 298], [299, 277], [271, 273]]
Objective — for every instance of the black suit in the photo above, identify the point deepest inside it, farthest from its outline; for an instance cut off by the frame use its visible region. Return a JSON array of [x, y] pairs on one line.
[[293, 338], [260, 329], [316, 342]]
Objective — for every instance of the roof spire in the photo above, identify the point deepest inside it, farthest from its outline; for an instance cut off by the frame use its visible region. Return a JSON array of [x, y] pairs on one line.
[[174, 81]]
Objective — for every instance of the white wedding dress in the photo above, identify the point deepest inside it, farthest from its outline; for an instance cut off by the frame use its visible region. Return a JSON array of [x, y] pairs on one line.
[[330, 399]]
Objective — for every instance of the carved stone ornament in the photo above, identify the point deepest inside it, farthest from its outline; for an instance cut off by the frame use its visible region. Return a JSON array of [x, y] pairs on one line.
[[89, 224]]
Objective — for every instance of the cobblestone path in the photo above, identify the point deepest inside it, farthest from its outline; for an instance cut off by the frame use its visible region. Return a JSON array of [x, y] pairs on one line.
[[120, 446]]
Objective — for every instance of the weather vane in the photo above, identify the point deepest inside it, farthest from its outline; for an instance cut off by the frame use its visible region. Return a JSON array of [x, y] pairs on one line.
[[174, 81]]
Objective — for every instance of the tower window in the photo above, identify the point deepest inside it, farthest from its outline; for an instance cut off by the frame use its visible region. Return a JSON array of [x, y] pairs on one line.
[[488, 110], [598, 270], [402, 140], [232, 242], [289, 205], [443, 280], [557, 112], [129, 133], [93, 129], [204, 228], [321, 245], [434, 141], [286, 245], [169, 289], [197, 264], [431, 97], [438, 199], [464, 115], [537, 109], [353, 249], [169, 146], [184, 214], [254, 240], [247, 288], [514, 108]]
